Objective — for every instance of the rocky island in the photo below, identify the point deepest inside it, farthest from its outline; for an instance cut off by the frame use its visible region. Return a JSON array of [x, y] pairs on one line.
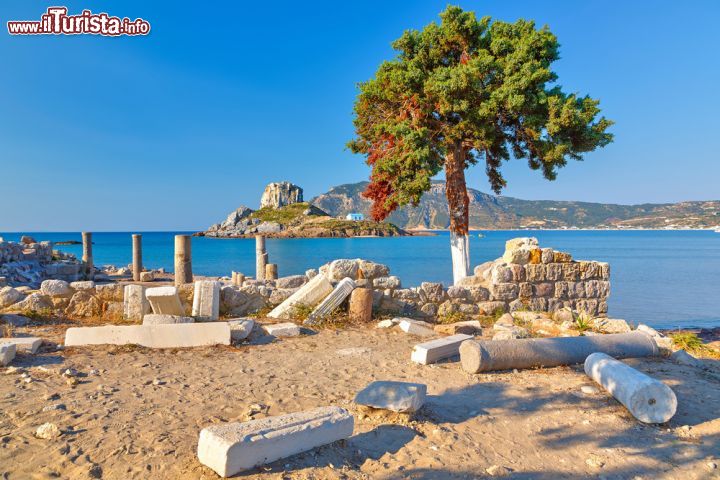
[[284, 214]]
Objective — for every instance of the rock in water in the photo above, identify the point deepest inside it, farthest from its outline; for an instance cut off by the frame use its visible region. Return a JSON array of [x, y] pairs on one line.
[[279, 194]]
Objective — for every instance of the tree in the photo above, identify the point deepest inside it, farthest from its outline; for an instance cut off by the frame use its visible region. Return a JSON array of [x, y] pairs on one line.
[[461, 92]]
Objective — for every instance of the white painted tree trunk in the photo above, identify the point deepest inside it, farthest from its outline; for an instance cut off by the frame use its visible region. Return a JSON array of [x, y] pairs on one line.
[[460, 250]]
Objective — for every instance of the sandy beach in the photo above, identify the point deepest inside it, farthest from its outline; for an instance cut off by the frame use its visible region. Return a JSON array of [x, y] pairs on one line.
[[137, 413]]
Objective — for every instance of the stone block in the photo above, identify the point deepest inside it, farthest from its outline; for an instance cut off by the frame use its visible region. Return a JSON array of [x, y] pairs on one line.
[[525, 290], [147, 276], [110, 292], [293, 281], [164, 319], [135, 305], [395, 396], [440, 349], [151, 336], [24, 344], [309, 294], [544, 289], [164, 300], [604, 270], [206, 300], [7, 353], [230, 448], [518, 273], [547, 255], [535, 256], [504, 291], [611, 325], [535, 273], [416, 327], [561, 257], [391, 282], [83, 304], [553, 272], [56, 288], [240, 328], [501, 274], [434, 292], [478, 294], [82, 285], [287, 329], [570, 272]]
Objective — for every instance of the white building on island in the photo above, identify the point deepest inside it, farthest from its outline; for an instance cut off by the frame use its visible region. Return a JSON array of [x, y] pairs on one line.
[[356, 217]]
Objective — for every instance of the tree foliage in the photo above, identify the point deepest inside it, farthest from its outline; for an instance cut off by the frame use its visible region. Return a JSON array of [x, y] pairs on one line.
[[481, 87]]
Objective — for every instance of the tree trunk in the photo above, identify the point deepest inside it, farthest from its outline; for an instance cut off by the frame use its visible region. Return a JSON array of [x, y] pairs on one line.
[[458, 204]]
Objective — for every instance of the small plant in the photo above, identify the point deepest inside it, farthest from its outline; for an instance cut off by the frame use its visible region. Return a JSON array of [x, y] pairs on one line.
[[499, 312], [451, 317], [259, 313], [301, 311], [43, 313], [583, 322], [687, 341]]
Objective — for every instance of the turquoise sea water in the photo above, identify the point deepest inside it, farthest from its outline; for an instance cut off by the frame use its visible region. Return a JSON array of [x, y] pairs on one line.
[[662, 278]]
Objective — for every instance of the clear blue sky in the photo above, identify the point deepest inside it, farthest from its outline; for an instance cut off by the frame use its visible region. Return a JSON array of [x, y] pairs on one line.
[[174, 130]]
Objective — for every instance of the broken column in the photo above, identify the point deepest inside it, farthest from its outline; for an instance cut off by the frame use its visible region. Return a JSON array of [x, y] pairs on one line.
[[649, 400], [488, 355], [361, 300], [137, 266], [183, 259], [271, 271], [135, 305], [238, 279], [233, 447], [309, 294], [261, 257], [164, 300], [87, 256], [206, 301], [332, 301]]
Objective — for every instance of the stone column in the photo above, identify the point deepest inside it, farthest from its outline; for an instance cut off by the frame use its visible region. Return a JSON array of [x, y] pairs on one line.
[[183, 259], [137, 256], [271, 271], [361, 301], [87, 257], [261, 257]]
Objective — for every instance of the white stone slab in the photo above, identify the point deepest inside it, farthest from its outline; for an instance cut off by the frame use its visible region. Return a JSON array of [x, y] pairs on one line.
[[164, 300], [395, 396], [135, 305], [162, 319], [436, 350], [233, 447], [240, 328], [206, 300], [414, 327], [152, 336], [287, 329], [7, 353], [309, 294], [24, 344]]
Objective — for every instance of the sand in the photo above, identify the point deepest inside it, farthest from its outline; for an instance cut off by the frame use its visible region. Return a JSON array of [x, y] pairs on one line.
[[137, 413]]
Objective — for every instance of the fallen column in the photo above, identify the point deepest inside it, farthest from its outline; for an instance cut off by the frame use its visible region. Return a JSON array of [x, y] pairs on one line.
[[164, 300], [261, 257], [649, 400], [271, 271], [183, 259], [332, 301], [309, 294], [233, 447], [206, 300], [440, 349], [24, 344], [87, 256], [485, 356], [361, 300], [152, 336], [137, 257], [135, 305]]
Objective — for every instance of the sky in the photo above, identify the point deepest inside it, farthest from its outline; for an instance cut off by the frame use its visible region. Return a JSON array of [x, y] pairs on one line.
[[174, 130]]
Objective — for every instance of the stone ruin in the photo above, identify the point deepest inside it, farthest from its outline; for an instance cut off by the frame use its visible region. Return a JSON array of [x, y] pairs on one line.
[[29, 262]]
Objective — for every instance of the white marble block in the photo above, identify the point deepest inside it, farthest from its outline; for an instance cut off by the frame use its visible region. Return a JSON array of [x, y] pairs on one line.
[[287, 329], [206, 301], [7, 353], [164, 300], [332, 301], [233, 447], [152, 336], [135, 305], [440, 349], [309, 294], [24, 344]]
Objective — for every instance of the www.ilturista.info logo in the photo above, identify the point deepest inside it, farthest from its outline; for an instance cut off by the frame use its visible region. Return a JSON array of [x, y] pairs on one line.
[[57, 22]]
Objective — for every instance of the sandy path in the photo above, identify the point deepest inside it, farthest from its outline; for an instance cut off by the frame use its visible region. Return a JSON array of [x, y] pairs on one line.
[[139, 416]]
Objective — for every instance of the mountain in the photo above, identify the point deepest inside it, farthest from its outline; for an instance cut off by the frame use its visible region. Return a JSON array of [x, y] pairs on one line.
[[499, 212]]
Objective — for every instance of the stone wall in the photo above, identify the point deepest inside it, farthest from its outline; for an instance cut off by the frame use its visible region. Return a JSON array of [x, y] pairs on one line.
[[29, 262]]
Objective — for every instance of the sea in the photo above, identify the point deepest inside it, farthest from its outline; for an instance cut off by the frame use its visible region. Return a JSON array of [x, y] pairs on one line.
[[663, 278]]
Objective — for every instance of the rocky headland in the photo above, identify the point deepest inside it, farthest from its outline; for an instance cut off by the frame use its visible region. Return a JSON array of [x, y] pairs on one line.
[[284, 214]]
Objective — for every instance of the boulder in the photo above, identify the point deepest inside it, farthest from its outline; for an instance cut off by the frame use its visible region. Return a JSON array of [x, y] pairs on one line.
[[434, 292], [293, 281], [395, 396], [83, 304], [611, 325], [9, 296], [340, 268], [35, 302], [15, 320], [56, 288], [240, 328]]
